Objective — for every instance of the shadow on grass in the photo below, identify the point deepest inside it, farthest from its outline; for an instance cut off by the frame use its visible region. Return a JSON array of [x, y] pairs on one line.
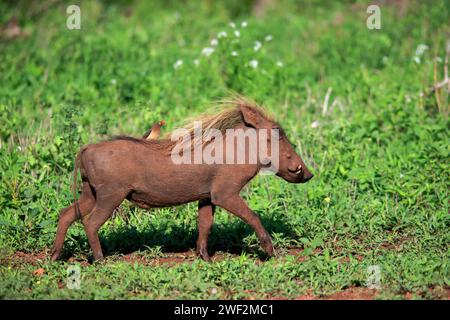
[[176, 238]]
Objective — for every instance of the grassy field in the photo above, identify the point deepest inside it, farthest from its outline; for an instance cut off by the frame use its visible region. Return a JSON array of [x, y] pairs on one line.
[[355, 101]]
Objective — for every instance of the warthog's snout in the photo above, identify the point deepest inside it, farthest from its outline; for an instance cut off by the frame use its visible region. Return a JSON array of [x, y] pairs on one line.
[[302, 173], [307, 176]]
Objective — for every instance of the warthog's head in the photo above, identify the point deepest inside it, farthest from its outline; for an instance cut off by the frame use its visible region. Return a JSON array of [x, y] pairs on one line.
[[290, 165]]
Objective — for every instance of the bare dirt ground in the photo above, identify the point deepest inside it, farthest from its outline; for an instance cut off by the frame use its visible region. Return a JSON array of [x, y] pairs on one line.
[[170, 259]]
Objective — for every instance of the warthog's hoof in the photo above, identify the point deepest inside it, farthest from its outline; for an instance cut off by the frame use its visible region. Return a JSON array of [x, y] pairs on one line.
[[54, 255], [203, 253], [266, 244]]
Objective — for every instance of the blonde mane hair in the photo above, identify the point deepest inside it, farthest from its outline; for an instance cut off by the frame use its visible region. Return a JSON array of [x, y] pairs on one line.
[[224, 114]]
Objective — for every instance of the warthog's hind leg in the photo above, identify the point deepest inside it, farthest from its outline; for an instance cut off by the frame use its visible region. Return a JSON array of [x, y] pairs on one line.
[[105, 204], [68, 216], [205, 222]]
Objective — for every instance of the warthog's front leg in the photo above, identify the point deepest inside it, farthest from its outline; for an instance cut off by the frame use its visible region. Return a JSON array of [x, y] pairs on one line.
[[205, 222], [238, 207]]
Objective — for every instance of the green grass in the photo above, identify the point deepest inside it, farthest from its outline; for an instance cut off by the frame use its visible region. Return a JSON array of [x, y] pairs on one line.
[[380, 155]]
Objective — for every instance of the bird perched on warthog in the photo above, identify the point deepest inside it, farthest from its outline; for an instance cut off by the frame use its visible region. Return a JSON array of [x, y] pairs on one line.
[[147, 173], [154, 132]]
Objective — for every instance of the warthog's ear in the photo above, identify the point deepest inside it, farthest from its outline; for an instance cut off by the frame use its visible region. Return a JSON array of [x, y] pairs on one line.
[[251, 116]]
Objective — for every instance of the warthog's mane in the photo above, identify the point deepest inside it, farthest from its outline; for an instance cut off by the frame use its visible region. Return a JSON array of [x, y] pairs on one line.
[[225, 114]]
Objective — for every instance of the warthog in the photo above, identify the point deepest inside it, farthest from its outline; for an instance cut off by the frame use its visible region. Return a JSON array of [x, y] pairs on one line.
[[144, 172]]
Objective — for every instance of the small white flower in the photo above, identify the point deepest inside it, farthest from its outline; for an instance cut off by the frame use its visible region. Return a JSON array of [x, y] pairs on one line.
[[214, 291], [232, 24], [214, 42], [253, 64], [280, 64], [315, 124], [421, 48], [416, 59], [244, 24], [234, 53], [196, 62], [268, 38], [113, 81], [257, 46], [207, 51], [222, 34], [19, 148], [237, 33], [178, 64]]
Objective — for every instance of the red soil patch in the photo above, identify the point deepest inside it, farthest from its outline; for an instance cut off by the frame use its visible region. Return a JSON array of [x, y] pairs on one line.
[[168, 259], [20, 257], [359, 293], [307, 296], [353, 293], [136, 257]]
